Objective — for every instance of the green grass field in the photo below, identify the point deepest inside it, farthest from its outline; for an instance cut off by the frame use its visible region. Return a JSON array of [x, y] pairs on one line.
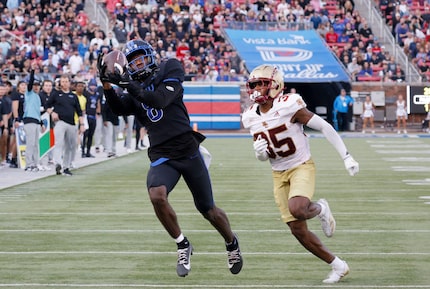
[[97, 229]]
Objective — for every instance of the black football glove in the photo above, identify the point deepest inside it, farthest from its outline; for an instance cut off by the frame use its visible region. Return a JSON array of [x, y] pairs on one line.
[[122, 80], [101, 68]]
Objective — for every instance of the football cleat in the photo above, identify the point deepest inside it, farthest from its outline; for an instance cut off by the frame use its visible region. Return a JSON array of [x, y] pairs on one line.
[[67, 172], [328, 223], [184, 261], [337, 273], [234, 257], [58, 169]]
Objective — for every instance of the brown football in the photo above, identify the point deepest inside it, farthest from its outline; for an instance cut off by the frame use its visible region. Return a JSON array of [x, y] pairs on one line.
[[115, 62]]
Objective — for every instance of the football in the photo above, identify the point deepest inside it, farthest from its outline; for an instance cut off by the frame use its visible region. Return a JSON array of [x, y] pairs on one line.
[[115, 62]]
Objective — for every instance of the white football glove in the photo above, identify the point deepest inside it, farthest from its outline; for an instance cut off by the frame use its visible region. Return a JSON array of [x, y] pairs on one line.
[[260, 148], [351, 165]]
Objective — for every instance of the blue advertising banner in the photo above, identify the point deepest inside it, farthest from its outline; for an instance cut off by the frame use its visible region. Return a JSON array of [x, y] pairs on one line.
[[302, 55]]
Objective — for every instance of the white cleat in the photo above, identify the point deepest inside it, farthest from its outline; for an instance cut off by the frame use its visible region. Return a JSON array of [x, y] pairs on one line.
[[337, 273], [328, 223]]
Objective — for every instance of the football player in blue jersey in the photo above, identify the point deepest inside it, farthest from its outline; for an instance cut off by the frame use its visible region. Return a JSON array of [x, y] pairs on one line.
[[155, 97]]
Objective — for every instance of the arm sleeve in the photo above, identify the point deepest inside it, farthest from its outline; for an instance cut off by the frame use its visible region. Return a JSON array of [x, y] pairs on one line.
[[31, 81], [164, 94], [119, 105], [317, 123]]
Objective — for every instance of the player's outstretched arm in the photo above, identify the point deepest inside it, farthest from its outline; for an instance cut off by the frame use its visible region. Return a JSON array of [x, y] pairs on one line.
[[317, 123]]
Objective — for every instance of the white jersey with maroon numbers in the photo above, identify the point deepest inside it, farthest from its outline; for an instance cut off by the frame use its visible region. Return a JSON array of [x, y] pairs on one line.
[[288, 145]]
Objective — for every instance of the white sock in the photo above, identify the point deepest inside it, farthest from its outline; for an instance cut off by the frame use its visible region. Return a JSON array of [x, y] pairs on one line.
[[179, 239], [337, 262], [323, 208]]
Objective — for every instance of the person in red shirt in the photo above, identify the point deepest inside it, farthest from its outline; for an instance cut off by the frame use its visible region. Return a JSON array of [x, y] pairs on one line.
[[331, 36], [182, 50]]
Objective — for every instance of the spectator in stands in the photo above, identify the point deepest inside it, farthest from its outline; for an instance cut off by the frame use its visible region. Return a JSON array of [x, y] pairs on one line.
[[343, 38], [120, 32], [323, 29], [236, 62], [354, 68], [365, 31], [376, 48], [4, 45], [75, 62], [132, 10], [399, 75], [345, 60], [111, 41], [331, 36], [211, 73], [98, 39], [423, 68], [365, 71], [401, 31], [407, 41], [375, 62], [338, 26], [394, 18], [392, 65], [349, 30], [367, 56], [182, 50], [403, 8], [385, 71], [315, 19], [282, 9]]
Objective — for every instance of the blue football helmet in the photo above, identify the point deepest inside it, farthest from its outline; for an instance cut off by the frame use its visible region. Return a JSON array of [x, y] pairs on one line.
[[143, 66]]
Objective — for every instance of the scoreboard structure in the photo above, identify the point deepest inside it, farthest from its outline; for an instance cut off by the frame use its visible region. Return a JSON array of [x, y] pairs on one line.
[[418, 99]]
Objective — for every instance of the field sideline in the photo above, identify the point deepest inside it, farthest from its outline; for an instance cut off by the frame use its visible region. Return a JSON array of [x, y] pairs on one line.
[[97, 229]]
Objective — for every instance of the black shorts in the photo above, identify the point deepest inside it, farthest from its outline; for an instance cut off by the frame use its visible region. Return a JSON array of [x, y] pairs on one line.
[[195, 175]]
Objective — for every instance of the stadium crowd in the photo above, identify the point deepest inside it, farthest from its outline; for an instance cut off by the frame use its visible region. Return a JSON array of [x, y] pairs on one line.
[[61, 38]]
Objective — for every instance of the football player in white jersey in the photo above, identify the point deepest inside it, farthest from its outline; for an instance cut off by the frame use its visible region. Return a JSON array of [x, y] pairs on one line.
[[276, 123]]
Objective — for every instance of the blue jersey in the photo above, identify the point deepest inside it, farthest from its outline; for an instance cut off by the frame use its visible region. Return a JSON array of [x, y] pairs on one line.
[[158, 105]]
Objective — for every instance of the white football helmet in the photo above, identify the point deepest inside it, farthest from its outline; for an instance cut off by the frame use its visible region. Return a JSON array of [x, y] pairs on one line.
[[268, 76]]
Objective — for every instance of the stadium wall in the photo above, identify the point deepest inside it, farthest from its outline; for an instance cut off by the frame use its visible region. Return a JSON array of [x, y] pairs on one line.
[[213, 107], [219, 106]]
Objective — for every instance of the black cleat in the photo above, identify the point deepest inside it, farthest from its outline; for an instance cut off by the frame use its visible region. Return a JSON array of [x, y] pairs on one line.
[[234, 257], [58, 169], [67, 172], [184, 261]]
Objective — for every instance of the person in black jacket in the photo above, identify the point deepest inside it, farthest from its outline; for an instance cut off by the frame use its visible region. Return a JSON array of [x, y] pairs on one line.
[[155, 97], [62, 105]]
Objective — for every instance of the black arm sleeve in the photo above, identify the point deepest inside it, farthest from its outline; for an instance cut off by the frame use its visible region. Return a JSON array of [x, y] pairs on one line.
[[31, 81], [164, 94], [167, 82], [120, 105]]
